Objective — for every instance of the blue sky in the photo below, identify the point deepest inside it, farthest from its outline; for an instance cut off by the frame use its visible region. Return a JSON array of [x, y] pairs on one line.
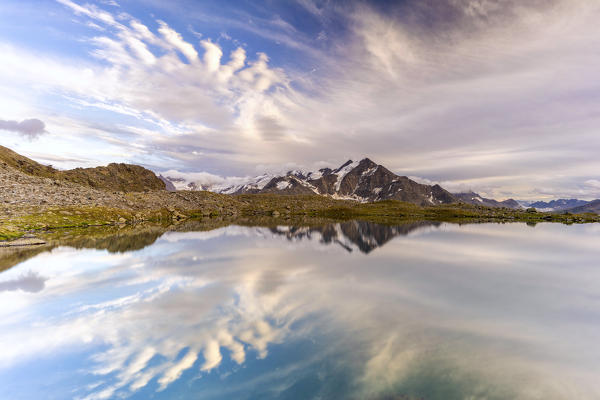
[[498, 97]]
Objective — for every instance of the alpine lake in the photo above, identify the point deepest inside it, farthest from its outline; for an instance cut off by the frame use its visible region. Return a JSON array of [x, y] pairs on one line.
[[350, 310]]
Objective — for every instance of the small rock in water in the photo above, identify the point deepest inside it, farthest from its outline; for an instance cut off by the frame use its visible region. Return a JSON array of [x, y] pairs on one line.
[[22, 242]]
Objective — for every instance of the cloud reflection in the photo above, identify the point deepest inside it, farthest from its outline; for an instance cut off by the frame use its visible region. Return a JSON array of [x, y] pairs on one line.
[[428, 316]]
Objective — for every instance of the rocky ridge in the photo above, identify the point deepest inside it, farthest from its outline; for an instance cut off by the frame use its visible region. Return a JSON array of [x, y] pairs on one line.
[[119, 177]]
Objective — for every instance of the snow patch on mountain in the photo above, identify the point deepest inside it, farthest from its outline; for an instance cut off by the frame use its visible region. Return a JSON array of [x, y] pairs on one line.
[[370, 171], [283, 185], [342, 172], [313, 176]]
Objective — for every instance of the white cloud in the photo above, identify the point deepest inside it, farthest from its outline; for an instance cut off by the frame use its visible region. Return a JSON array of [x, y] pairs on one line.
[[237, 60], [174, 372], [176, 40], [140, 49], [110, 3], [212, 355], [140, 361], [212, 56], [594, 183], [91, 11]]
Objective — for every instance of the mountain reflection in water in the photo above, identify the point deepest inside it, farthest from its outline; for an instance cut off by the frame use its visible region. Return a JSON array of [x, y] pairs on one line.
[[366, 236], [441, 312]]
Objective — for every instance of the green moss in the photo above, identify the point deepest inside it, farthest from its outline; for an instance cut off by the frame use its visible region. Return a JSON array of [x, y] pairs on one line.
[[8, 235]]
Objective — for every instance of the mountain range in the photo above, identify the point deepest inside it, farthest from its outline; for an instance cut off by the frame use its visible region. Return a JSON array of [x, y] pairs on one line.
[[362, 180], [366, 181], [558, 205]]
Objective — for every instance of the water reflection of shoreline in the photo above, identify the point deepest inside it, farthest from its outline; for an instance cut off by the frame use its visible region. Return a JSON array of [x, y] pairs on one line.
[[364, 236]]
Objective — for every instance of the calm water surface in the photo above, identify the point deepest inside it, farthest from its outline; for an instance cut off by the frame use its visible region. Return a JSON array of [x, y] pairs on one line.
[[350, 311]]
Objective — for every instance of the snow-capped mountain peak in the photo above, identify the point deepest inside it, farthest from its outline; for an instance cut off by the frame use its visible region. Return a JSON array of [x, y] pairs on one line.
[[361, 180]]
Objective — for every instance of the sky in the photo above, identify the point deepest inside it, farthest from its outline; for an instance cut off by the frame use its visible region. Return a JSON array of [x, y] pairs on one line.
[[500, 97]]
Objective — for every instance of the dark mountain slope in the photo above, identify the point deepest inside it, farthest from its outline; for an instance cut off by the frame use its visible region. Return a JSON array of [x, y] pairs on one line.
[[591, 207]]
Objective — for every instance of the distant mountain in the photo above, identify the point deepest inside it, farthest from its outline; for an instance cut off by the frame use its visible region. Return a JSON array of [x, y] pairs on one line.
[[558, 205], [122, 177], [476, 199], [231, 186], [511, 203], [589, 207], [354, 180]]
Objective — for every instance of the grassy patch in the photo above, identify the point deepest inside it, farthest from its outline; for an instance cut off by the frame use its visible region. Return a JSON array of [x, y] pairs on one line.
[[6, 234], [74, 217]]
